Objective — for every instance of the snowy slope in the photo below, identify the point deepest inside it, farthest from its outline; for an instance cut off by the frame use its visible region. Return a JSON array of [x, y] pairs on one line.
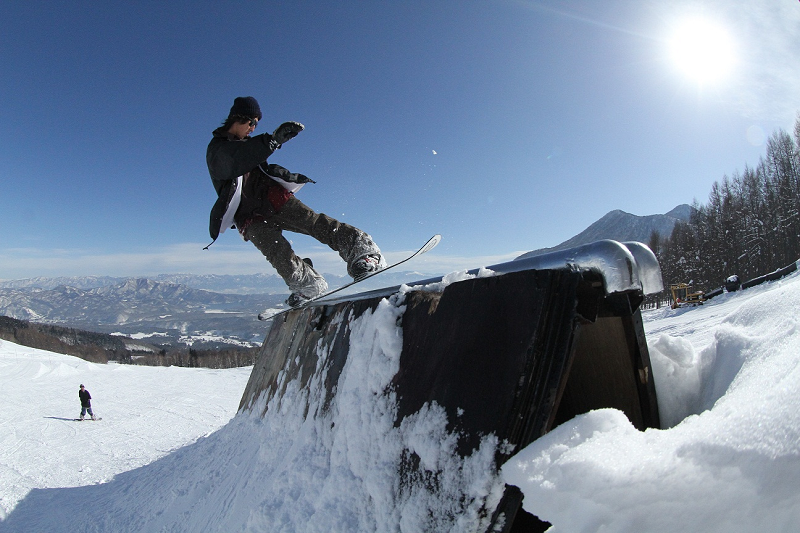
[[728, 381], [147, 413]]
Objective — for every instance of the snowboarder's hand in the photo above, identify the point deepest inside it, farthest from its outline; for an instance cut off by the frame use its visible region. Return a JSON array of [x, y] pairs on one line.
[[301, 178], [277, 171], [286, 131]]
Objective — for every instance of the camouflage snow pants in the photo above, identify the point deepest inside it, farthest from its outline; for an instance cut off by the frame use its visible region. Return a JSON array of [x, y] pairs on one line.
[[295, 216]]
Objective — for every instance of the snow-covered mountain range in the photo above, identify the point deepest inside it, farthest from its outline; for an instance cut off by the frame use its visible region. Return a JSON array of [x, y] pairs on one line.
[[157, 312]]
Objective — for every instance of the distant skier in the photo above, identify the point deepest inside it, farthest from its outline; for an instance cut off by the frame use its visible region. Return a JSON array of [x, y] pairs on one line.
[[86, 402], [261, 207]]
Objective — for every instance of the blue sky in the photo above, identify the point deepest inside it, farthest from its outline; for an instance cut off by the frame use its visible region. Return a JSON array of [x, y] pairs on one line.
[[504, 125]]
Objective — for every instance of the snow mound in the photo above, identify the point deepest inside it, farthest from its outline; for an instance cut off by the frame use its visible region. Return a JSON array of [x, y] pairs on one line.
[[730, 463]]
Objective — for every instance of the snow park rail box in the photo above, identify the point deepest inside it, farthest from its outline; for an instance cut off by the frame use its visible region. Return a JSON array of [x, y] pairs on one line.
[[490, 360]]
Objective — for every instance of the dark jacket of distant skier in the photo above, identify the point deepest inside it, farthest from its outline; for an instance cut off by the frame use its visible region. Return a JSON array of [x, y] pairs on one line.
[[86, 398]]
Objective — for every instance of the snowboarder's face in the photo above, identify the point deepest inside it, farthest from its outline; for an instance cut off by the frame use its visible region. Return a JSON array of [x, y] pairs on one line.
[[244, 129]]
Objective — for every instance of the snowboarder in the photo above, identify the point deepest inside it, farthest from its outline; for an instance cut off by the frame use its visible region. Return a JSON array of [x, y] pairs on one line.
[[86, 402], [257, 198]]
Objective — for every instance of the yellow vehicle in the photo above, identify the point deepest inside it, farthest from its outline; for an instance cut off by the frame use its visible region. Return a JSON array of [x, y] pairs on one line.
[[683, 297]]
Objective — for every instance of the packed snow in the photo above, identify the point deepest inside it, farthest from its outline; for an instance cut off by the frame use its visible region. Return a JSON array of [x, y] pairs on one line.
[[147, 413], [169, 455], [728, 384]]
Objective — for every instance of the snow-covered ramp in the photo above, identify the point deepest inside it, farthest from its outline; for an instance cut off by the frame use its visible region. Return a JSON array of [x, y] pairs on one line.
[[424, 391]]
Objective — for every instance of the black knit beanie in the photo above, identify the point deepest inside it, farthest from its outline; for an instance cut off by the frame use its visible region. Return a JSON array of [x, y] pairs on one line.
[[245, 106]]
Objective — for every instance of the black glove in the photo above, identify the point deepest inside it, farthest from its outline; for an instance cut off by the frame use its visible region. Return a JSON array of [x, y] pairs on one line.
[[278, 171], [300, 178], [286, 131]]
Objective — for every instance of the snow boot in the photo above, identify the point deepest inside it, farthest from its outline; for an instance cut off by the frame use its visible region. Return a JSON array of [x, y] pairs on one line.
[[310, 286], [296, 299], [365, 265], [305, 284]]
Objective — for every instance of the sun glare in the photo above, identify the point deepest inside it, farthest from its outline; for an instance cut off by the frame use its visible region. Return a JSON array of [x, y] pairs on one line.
[[703, 50]]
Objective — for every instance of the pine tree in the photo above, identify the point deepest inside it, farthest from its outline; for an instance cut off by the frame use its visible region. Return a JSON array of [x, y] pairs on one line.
[[750, 225]]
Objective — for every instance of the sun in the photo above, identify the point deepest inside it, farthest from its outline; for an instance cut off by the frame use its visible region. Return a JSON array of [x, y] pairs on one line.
[[703, 50]]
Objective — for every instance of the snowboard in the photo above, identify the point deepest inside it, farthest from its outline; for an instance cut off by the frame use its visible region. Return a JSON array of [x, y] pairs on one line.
[[88, 419], [427, 247]]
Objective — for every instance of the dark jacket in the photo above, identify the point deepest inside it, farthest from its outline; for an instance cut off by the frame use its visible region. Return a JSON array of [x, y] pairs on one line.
[[229, 157], [85, 397]]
